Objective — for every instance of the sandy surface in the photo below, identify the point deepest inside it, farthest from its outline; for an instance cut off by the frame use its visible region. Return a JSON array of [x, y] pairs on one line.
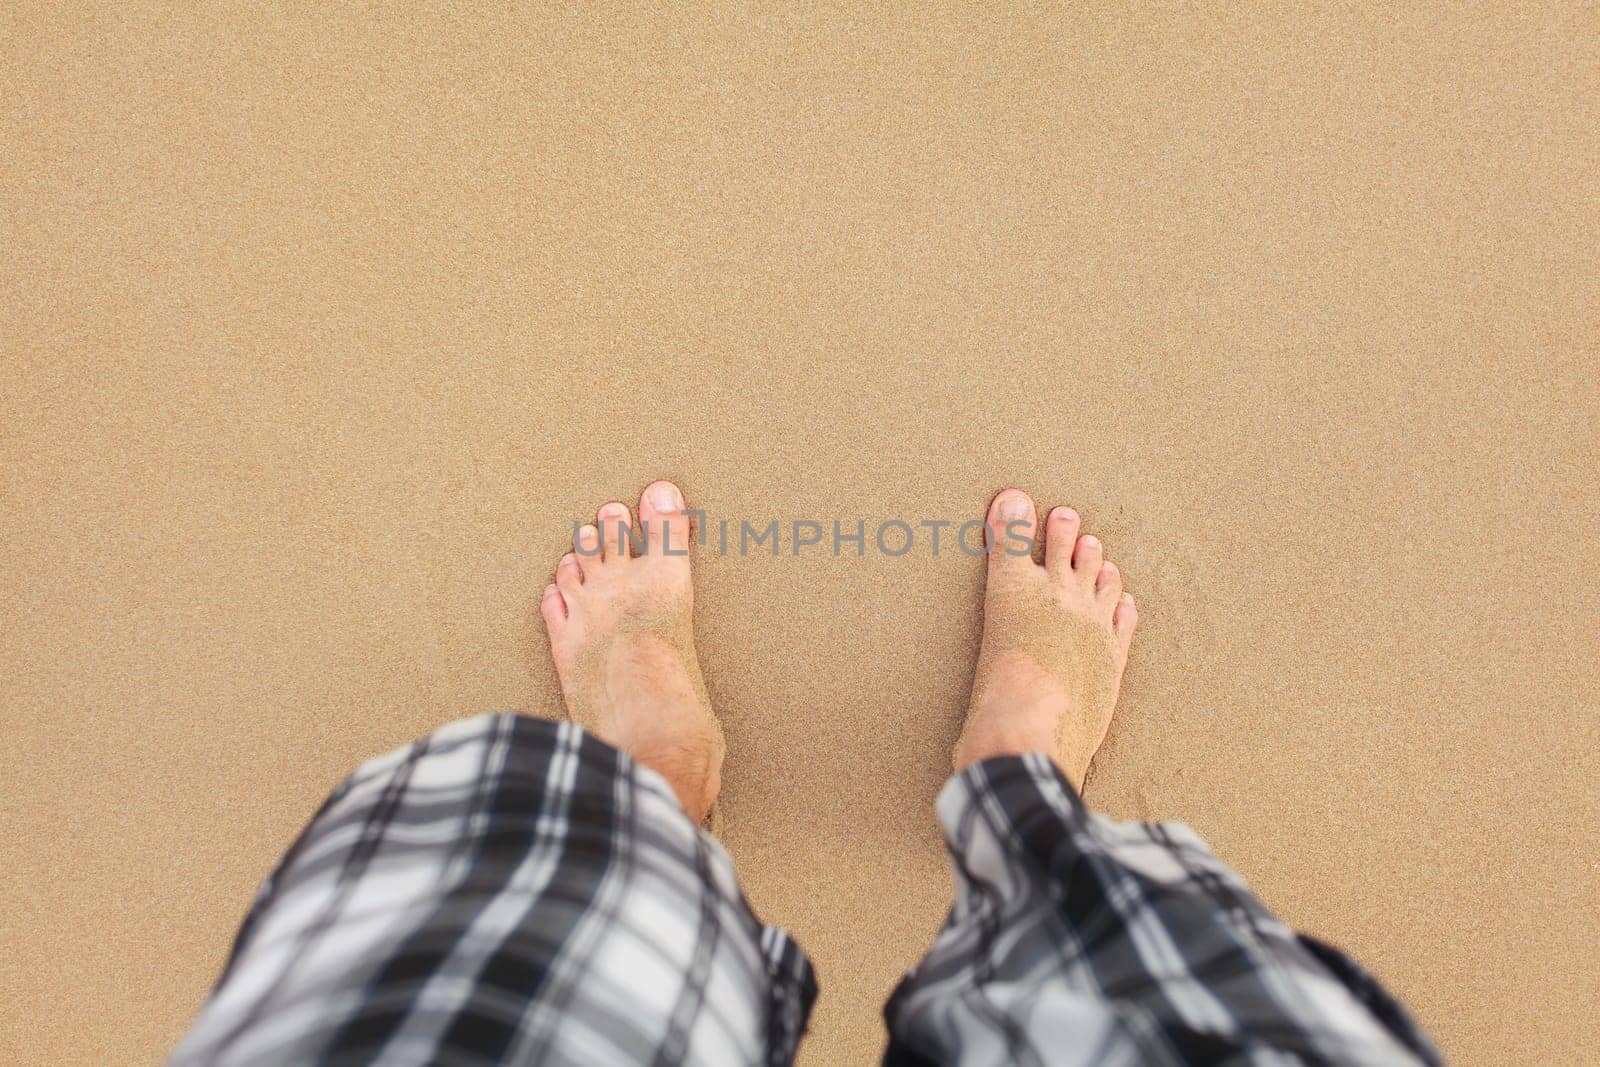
[[319, 331]]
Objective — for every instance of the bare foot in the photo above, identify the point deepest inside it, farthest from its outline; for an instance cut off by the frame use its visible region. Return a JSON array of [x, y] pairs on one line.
[[622, 636], [1055, 643]]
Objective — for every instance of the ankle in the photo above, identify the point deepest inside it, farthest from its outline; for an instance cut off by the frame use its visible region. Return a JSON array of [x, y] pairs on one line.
[[1006, 727], [969, 753], [691, 770]]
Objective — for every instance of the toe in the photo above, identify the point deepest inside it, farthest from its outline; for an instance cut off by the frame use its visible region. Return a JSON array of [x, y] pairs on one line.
[[616, 532], [553, 606], [586, 541], [1087, 557], [1061, 532], [666, 526], [1123, 620], [1012, 523], [569, 578], [1108, 583]]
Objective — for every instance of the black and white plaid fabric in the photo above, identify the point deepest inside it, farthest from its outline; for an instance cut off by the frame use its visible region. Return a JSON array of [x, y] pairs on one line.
[[507, 890], [1076, 939], [510, 890]]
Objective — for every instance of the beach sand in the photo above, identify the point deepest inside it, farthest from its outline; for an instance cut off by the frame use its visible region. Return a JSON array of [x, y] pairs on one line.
[[320, 331]]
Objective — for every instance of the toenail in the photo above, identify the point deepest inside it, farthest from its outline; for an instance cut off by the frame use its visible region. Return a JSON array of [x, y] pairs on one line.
[[1014, 506], [1066, 515], [1090, 541], [665, 497]]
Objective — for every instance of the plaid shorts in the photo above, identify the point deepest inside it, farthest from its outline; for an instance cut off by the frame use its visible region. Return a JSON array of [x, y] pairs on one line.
[[510, 890]]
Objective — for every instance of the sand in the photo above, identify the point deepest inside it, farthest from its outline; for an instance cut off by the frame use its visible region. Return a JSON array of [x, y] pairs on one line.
[[320, 329]]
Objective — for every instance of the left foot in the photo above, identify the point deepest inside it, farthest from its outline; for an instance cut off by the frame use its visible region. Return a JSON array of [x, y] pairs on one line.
[[1055, 642], [622, 637]]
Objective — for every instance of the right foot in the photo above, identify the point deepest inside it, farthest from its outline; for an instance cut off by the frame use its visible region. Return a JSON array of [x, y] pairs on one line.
[[1055, 643], [622, 637]]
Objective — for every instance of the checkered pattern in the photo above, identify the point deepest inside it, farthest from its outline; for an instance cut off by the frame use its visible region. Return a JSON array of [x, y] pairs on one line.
[[1078, 940], [514, 891], [507, 890]]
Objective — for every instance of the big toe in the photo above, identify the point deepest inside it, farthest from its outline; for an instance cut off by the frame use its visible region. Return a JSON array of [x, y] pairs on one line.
[[666, 524], [1013, 522]]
